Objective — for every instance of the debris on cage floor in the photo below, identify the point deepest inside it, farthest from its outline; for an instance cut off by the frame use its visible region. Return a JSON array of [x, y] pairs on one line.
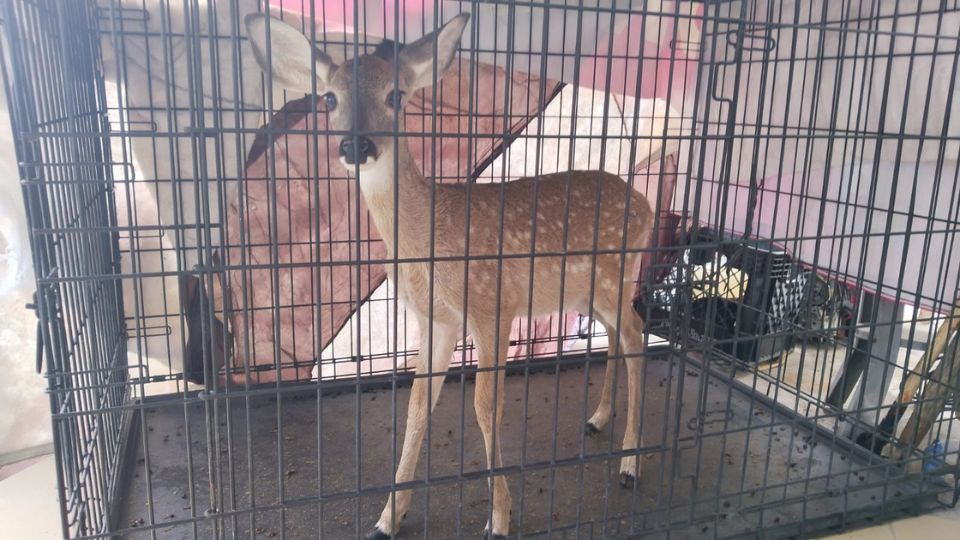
[[737, 467]]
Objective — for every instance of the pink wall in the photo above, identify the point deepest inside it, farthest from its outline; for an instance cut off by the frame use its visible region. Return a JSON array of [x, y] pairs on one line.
[[665, 70]]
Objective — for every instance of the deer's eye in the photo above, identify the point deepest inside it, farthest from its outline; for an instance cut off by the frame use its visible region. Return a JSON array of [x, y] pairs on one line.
[[330, 101], [395, 99]]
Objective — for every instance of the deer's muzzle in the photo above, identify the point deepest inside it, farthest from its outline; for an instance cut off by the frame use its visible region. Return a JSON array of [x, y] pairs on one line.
[[356, 150]]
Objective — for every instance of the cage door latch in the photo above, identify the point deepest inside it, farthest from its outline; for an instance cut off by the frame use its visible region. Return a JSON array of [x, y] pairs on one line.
[[33, 307]]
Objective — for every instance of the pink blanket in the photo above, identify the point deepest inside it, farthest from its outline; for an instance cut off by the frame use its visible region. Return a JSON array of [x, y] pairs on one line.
[[294, 276]]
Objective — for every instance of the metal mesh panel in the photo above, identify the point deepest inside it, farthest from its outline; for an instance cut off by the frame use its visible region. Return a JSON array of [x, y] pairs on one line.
[[52, 75], [196, 209]]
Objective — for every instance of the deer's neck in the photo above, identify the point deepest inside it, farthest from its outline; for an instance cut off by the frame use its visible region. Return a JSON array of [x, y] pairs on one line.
[[398, 198]]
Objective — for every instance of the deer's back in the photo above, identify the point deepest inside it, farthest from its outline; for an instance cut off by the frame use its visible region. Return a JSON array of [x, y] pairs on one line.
[[579, 211], [575, 226]]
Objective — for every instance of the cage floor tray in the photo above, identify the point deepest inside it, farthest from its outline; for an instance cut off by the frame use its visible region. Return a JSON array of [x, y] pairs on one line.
[[716, 462]]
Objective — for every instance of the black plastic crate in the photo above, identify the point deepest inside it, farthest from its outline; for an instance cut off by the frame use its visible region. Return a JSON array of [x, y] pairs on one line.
[[723, 293]]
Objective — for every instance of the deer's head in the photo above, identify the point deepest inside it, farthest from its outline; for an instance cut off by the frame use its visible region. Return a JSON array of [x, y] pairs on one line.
[[365, 95]]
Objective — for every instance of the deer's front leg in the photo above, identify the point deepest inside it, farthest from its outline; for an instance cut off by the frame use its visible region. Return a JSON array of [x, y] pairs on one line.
[[488, 394], [428, 362]]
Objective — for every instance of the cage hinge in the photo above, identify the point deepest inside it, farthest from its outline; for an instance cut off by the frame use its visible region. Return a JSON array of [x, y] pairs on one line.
[[50, 314]]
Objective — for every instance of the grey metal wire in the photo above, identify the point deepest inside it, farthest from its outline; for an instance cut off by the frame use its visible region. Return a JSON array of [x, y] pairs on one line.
[[707, 474]]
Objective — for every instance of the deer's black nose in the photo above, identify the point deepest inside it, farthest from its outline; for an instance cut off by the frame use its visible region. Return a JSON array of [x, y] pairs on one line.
[[357, 149]]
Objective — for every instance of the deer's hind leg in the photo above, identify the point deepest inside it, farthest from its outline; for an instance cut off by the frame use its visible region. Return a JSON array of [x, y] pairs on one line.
[[605, 309], [625, 341], [434, 362]]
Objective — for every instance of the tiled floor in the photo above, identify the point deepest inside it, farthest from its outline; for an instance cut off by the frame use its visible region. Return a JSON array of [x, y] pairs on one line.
[[28, 501], [938, 526], [6, 471]]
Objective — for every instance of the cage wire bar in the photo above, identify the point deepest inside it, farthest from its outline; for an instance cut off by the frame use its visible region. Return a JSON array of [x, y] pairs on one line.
[[225, 358], [56, 105]]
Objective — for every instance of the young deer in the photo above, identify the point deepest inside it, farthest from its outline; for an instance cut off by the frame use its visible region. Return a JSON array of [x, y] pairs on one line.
[[364, 103]]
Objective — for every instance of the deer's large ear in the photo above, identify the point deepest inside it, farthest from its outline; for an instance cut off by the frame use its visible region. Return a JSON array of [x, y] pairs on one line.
[[293, 62], [417, 60]]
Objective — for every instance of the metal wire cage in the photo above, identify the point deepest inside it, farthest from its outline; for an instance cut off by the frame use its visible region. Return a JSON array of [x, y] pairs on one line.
[[225, 356]]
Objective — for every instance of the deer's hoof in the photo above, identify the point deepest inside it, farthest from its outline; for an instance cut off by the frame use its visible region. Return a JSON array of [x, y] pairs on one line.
[[591, 429], [627, 480], [488, 536], [377, 534]]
